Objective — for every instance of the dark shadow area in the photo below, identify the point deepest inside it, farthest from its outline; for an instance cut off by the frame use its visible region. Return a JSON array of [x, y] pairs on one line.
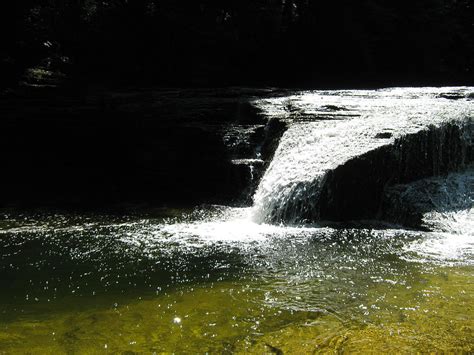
[[355, 190], [68, 136], [406, 204], [246, 42], [102, 148]]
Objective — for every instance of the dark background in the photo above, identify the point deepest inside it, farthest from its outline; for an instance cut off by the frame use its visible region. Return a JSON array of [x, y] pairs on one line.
[[238, 42]]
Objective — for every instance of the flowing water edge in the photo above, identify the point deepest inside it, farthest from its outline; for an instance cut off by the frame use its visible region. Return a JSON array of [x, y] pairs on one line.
[[223, 279]]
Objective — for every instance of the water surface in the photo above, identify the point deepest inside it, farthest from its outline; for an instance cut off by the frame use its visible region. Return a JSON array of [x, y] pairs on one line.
[[212, 280], [218, 279]]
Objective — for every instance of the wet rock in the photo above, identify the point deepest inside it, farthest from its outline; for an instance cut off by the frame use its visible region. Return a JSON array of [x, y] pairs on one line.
[[451, 96], [132, 146], [338, 170], [271, 138], [260, 145], [384, 135], [247, 175], [433, 203], [333, 108], [355, 189]]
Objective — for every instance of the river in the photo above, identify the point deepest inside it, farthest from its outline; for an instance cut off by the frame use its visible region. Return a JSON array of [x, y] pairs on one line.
[[223, 279]]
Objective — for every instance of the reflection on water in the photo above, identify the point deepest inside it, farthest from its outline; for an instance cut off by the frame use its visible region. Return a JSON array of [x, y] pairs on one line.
[[211, 280]]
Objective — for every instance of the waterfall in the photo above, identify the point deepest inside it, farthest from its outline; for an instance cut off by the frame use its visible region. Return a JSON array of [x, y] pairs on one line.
[[343, 148]]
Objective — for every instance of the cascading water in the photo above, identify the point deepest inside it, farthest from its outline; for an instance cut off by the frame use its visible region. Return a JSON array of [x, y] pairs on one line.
[[349, 125], [222, 279]]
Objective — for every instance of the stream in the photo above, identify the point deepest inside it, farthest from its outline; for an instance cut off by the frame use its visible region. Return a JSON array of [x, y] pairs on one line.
[[258, 279]]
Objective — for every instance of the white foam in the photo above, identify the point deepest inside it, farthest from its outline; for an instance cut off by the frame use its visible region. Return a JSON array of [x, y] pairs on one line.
[[308, 150]]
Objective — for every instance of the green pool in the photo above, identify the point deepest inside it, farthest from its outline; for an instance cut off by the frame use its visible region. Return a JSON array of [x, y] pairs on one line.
[[209, 280]]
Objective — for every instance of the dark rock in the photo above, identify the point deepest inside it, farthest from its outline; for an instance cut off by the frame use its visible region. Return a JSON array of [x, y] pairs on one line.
[[272, 134], [408, 204], [451, 96], [246, 173], [384, 135], [355, 190], [263, 142], [333, 108], [114, 147]]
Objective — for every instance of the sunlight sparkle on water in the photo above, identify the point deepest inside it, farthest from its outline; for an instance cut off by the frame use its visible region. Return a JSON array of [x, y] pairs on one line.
[[212, 280]]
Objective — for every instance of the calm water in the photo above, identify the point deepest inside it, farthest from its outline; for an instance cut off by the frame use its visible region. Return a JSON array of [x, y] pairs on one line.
[[210, 280]]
